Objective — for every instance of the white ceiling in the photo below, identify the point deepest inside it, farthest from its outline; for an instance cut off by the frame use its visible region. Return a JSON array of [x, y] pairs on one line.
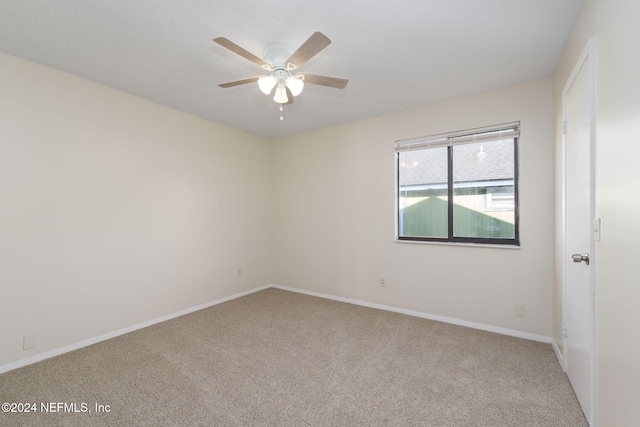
[[395, 54]]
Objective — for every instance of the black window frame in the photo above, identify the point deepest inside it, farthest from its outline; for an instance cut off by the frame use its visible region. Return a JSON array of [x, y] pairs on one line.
[[515, 241]]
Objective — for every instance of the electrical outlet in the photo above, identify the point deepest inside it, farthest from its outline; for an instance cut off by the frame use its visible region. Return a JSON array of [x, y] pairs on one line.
[[239, 272], [29, 341], [518, 310], [382, 282]]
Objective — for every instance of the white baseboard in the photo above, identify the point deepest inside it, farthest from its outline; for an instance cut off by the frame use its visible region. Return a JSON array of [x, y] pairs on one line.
[[84, 343], [474, 325], [559, 355]]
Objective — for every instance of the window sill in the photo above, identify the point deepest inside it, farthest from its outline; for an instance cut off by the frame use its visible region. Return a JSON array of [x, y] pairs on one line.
[[469, 245]]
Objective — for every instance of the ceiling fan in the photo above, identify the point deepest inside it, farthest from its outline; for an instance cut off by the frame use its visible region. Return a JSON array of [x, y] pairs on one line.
[[281, 61]]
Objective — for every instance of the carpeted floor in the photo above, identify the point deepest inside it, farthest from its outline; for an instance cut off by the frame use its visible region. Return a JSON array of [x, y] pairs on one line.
[[277, 358]]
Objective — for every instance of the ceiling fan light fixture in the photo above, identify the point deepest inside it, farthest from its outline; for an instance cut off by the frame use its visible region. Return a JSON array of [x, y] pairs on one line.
[[267, 83], [295, 84], [281, 95]]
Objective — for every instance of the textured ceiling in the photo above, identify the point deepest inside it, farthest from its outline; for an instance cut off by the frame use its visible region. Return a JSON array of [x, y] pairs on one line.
[[396, 55]]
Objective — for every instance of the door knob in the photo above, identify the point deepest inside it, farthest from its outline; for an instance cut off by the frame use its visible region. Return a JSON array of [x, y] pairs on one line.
[[581, 258]]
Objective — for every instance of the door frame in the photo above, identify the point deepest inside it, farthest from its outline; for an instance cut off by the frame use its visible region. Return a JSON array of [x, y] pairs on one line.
[[586, 58]]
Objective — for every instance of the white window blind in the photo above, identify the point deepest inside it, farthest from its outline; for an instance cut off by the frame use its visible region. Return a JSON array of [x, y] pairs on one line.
[[493, 133]]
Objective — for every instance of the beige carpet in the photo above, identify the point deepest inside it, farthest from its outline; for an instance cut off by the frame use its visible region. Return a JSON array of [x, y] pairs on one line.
[[277, 358]]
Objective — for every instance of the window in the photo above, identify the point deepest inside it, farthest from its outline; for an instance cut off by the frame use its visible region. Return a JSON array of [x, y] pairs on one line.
[[460, 187]]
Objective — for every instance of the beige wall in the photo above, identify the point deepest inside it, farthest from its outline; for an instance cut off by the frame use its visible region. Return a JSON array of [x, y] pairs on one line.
[[334, 216], [617, 271], [115, 210]]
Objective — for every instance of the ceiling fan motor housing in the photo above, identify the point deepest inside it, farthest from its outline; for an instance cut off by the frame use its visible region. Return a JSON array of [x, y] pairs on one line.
[[276, 55]]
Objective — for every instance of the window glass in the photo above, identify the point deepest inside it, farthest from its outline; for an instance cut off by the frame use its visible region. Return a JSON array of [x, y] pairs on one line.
[[423, 192], [480, 171]]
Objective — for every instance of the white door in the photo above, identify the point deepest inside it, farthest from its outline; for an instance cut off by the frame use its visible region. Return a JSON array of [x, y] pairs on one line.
[[579, 258]]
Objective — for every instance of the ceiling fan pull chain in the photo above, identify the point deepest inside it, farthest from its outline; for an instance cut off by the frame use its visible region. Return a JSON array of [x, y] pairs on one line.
[[281, 112]]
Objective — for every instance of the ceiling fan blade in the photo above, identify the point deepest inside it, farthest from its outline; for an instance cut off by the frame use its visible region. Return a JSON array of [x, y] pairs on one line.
[[334, 82], [309, 49], [239, 82], [224, 42]]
